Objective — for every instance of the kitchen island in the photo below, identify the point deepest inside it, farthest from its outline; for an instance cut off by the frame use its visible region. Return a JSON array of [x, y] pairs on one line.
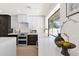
[[7, 46]]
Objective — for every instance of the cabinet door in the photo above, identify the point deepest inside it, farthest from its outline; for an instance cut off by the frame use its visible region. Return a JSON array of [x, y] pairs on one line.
[[32, 39], [3, 26], [9, 24]]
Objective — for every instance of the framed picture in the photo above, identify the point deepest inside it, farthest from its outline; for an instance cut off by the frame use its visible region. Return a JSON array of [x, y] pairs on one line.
[[72, 8], [53, 22]]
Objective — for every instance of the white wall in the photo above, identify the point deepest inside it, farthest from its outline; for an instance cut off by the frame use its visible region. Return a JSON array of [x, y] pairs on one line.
[[71, 29], [49, 48], [14, 21]]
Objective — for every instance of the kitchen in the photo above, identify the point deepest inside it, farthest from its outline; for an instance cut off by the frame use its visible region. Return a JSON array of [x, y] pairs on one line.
[[21, 35], [26, 38], [21, 28]]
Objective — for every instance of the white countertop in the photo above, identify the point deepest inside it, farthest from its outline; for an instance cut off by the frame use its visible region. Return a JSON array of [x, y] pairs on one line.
[[13, 33], [19, 33]]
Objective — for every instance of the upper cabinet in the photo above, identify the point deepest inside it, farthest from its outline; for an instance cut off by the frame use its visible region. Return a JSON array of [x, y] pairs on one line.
[[5, 25], [22, 18]]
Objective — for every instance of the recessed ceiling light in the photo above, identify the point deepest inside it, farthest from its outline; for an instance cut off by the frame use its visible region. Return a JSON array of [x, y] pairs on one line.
[[28, 7]]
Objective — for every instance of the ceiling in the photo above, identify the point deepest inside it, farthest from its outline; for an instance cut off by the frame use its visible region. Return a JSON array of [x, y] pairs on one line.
[[26, 8]]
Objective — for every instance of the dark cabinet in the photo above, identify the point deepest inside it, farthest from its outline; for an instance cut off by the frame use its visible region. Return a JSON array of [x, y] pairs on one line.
[[9, 24], [32, 39], [5, 24]]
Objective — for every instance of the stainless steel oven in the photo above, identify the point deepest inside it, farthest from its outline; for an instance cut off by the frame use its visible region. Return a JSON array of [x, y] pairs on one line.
[[22, 38]]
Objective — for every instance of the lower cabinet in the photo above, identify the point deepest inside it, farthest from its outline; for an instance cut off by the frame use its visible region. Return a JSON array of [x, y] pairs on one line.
[[32, 39]]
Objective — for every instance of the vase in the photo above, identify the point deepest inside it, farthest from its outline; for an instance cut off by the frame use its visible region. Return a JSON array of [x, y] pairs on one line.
[[57, 39]]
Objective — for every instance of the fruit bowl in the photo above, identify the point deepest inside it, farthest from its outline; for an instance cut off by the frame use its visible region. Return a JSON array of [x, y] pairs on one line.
[[65, 44], [59, 43], [68, 45]]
